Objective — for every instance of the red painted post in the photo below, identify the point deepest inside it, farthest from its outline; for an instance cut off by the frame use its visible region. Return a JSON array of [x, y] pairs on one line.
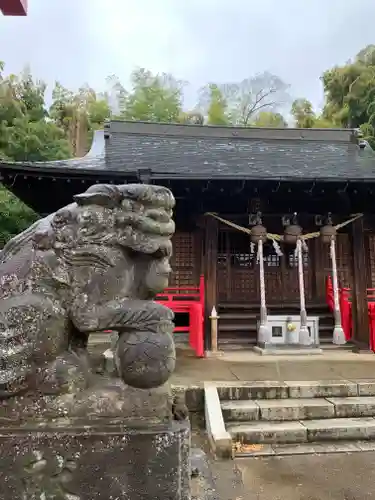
[[13, 7]]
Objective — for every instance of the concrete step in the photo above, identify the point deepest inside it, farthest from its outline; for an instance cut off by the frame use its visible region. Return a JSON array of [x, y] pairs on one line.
[[279, 450], [303, 431], [279, 409], [353, 407], [231, 391], [297, 409]]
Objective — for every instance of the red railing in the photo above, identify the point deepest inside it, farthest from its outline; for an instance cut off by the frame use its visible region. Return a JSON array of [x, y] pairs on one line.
[[346, 309], [188, 300]]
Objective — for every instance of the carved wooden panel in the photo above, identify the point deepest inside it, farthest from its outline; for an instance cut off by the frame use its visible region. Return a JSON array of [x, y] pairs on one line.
[[185, 260]]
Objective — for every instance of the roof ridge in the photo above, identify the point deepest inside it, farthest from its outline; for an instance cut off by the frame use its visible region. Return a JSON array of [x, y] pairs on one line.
[[214, 131]]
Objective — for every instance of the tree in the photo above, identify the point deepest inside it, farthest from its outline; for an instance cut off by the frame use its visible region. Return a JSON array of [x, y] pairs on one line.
[[26, 133], [15, 216], [244, 100], [79, 114], [155, 98], [115, 96], [303, 113], [270, 119], [350, 94], [217, 107], [191, 118], [350, 90]]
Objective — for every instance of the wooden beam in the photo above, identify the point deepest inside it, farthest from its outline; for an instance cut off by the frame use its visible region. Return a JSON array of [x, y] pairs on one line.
[[210, 273], [361, 326], [13, 7]]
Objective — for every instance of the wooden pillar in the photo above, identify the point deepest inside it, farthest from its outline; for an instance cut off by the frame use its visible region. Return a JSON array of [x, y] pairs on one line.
[[210, 273], [361, 326]]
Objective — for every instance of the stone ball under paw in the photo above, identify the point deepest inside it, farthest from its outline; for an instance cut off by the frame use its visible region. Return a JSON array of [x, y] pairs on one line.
[[145, 359]]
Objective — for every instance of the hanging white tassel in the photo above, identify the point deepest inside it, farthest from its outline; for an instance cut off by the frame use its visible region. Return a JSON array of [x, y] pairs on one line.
[[305, 248], [252, 248], [277, 248]]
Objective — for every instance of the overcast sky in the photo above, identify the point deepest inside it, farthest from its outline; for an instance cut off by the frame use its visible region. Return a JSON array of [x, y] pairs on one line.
[[78, 41]]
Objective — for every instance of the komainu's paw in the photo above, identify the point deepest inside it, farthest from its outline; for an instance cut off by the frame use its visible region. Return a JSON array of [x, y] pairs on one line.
[[179, 409]]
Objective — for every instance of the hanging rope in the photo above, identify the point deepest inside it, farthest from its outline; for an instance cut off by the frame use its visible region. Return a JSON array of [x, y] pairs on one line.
[[276, 238]]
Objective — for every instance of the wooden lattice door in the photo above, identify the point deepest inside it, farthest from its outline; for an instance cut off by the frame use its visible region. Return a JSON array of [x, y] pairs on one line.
[[290, 277], [237, 276], [184, 260]]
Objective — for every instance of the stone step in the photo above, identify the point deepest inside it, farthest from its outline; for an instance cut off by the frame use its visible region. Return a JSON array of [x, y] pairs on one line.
[[302, 431], [353, 407], [295, 389], [297, 409], [279, 450], [280, 409]]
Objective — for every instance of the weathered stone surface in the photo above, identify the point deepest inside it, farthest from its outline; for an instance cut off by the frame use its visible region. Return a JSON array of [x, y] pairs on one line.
[[340, 428], [322, 388], [252, 390], [295, 409], [240, 411], [65, 433], [354, 407], [194, 396], [268, 432], [61, 460], [366, 387], [202, 479], [94, 265]]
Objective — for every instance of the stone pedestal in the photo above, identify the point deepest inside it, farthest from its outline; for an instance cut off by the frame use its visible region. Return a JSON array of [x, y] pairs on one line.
[[73, 459]]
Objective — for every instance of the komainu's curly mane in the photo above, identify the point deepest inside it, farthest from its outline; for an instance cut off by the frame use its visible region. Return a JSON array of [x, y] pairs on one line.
[[132, 215]]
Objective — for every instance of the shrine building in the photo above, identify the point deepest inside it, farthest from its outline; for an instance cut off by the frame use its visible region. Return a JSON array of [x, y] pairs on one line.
[[225, 180]]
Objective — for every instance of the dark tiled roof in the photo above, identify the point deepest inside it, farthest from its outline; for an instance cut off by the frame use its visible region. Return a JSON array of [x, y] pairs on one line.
[[279, 154], [93, 160], [171, 151]]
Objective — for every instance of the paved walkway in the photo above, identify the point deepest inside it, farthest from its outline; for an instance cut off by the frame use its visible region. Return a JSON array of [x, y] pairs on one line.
[[313, 477], [247, 365]]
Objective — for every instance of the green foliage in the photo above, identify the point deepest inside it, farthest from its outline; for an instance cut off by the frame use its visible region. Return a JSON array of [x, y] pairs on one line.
[[217, 106], [15, 216], [303, 113], [156, 98], [305, 117], [34, 141], [270, 119], [350, 94], [26, 134]]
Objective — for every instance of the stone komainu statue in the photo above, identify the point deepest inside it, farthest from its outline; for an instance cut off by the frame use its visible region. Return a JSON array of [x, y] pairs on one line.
[[94, 265]]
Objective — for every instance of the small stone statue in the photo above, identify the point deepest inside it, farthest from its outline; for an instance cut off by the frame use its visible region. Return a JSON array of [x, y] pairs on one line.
[[94, 265]]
